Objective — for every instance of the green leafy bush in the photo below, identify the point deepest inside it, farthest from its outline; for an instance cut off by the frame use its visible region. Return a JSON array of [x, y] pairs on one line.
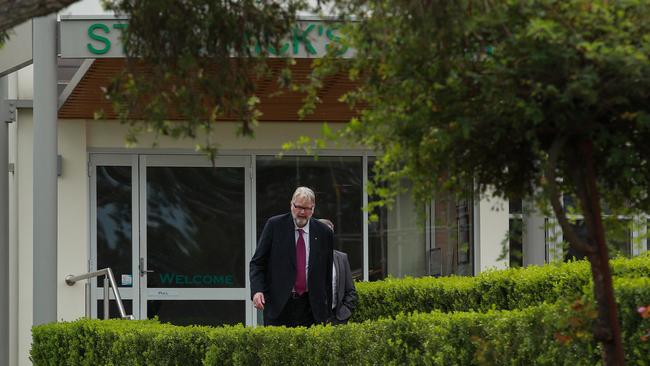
[[547, 334], [118, 342], [515, 288], [554, 331]]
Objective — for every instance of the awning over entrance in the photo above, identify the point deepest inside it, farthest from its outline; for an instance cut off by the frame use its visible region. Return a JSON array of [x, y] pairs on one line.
[[98, 39], [87, 97]]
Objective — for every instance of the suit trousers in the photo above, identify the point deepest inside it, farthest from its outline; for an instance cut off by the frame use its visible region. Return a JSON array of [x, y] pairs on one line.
[[296, 313]]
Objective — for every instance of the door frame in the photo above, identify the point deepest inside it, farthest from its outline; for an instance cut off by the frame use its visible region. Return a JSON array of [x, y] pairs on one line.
[[126, 293], [139, 293]]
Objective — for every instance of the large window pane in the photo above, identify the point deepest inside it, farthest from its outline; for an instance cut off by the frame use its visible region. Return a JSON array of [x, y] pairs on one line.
[[515, 233], [617, 236], [114, 217], [377, 236], [338, 184], [453, 234], [515, 206], [195, 227], [515, 240], [406, 247], [198, 312], [378, 245], [396, 243]]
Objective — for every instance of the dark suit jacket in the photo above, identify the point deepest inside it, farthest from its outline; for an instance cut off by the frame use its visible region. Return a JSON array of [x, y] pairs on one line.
[[346, 295], [273, 267]]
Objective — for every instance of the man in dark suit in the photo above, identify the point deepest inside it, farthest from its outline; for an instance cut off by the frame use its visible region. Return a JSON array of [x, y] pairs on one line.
[[291, 270], [344, 295]]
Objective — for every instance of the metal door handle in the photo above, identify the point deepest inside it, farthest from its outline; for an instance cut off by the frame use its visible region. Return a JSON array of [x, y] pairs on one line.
[[143, 270]]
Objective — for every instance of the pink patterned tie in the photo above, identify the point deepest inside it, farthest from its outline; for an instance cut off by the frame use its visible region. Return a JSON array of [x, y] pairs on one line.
[[301, 258]]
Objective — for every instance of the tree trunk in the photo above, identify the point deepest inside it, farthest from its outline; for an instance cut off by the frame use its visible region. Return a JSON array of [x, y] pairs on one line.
[[580, 167], [607, 330]]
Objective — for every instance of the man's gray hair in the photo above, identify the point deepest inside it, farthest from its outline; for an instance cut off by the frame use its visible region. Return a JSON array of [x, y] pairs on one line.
[[304, 192]]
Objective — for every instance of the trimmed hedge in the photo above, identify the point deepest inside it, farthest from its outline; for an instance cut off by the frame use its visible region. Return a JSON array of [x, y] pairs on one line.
[[547, 334], [435, 338], [504, 290], [118, 342], [495, 337]]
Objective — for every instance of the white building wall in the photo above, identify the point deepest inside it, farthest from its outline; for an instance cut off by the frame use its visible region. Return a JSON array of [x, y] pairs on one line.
[[72, 228], [25, 83], [534, 237], [491, 228], [268, 136], [73, 224]]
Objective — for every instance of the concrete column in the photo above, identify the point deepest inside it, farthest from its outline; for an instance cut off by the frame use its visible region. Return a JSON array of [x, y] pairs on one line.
[[4, 226], [491, 224], [554, 237], [45, 179], [534, 245]]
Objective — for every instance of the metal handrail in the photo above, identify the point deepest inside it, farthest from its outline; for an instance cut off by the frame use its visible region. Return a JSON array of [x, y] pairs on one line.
[[108, 279]]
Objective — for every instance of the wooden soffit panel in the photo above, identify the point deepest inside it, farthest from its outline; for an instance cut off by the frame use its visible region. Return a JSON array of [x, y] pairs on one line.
[[88, 98]]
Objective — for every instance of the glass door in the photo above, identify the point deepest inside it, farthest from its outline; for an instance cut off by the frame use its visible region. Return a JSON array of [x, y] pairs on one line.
[[176, 229], [194, 226], [114, 229]]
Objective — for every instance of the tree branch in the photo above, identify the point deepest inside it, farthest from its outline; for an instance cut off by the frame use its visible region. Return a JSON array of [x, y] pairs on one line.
[[15, 12], [584, 197], [554, 197]]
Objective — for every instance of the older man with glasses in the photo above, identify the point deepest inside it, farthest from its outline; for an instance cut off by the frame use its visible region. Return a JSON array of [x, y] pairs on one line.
[[291, 271]]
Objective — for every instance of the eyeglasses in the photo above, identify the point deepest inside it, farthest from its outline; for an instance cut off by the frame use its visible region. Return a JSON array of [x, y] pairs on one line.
[[306, 209]]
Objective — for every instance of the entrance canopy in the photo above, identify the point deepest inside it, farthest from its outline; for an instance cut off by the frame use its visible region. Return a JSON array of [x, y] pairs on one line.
[[86, 97], [98, 39]]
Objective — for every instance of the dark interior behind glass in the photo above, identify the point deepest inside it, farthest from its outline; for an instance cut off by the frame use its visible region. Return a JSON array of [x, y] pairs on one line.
[[195, 227], [114, 216], [338, 184]]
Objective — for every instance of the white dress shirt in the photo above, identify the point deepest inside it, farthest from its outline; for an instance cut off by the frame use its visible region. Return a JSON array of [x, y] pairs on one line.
[[334, 292]]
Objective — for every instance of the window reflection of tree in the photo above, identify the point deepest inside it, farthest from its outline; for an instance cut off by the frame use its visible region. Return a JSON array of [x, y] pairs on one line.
[[195, 223], [377, 236], [453, 233], [114, 219]]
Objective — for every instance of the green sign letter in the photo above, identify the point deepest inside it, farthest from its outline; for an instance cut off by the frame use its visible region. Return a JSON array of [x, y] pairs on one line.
[[300, 35], [336, 40], [98, 38]]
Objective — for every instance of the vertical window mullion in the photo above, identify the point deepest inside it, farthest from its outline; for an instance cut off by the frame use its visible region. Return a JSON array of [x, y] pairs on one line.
[[366, 250]]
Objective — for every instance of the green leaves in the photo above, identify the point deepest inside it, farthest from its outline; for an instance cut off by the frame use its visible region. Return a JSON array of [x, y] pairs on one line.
[[502, 290], [498, 82], [196, 61], [539, 333]]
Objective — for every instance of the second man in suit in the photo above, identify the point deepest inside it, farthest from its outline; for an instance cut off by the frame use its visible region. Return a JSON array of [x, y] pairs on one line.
[[291, 270], [344, 295]]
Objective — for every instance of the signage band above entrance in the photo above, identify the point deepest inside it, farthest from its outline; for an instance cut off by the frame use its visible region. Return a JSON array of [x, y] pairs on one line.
[[99, 37]]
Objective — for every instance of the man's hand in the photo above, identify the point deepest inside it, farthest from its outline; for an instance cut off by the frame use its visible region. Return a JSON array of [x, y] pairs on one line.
[[258, 301]]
